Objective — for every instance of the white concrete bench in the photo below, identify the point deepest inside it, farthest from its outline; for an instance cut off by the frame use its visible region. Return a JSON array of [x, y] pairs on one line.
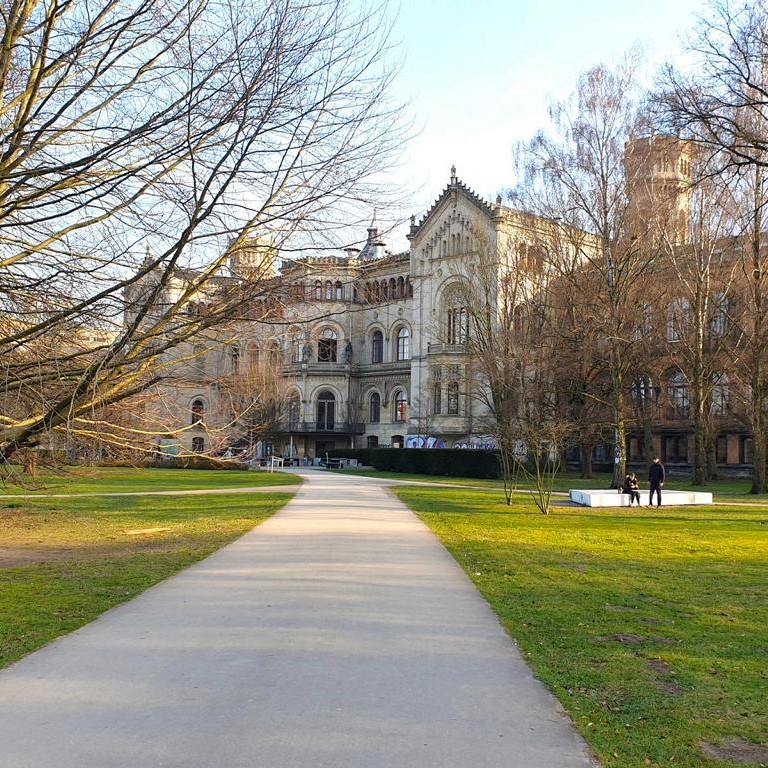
[[608, 498]]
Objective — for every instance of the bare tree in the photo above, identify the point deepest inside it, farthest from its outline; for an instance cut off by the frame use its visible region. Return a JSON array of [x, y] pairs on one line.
[[723, 109], [145, 145], [575, 174], [508, 332]]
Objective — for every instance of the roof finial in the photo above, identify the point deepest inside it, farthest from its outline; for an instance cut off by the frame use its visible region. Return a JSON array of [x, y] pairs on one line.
[[453, 175]]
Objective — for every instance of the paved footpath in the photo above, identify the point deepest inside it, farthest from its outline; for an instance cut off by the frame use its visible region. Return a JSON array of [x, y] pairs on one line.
[[337, 634]]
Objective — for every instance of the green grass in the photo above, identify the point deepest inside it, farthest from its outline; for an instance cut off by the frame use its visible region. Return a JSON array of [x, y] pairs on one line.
[[651, 627], [65, 561], [728, 490], [128, 479]]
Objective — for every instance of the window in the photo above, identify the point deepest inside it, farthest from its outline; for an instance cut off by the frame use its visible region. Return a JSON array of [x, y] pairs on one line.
[[392, 288], [677, 395], [198, 444], [296, 348], [198, 411], [318, 290], [327, 346], [644, 324], [721, 450], [384, 290], [377, 347], [721, 394], [718, 325], [339, 288], [328, 290], [400, 288], [294, 413], [326, 411], [234, 356], [642, 391], [403, 344], [401, 406], [453, 398], [457, 325], [678, 319], [374, 408], [372, 442]]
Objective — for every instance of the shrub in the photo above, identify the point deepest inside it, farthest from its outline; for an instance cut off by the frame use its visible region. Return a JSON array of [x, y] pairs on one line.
[[449, 462]]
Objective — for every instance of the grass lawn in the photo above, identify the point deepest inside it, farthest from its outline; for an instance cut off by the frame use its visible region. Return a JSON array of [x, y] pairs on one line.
[[127, 479], [731, 490], [650, 626], [65, 561]]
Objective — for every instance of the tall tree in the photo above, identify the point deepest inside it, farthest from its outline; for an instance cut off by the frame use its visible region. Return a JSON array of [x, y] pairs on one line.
[[723, 108], [145, 146], [574, 173]]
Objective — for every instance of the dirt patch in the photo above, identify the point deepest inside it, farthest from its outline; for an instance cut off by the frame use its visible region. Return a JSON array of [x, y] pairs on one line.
[[658, 667], [627, 638], [142, 531], [19, 557], [670, 687], [736, 750], [665, 641]]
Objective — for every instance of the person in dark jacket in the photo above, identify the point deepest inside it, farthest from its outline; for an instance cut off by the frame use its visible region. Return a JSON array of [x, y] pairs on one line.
[[655, 480], [632, 487]]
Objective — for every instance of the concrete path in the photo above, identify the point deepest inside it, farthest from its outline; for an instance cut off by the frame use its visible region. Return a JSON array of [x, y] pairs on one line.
[[339, 633]]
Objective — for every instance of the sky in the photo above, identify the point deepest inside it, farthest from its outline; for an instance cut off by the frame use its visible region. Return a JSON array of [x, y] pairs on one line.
[[477, 76]]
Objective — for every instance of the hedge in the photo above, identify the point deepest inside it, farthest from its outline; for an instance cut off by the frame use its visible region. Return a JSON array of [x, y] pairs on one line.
[[449, 462]]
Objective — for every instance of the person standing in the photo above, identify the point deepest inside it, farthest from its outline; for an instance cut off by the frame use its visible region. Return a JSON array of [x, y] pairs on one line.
[[655, 480]]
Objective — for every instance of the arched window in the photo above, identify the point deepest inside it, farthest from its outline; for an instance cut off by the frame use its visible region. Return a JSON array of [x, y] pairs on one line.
[[328, 290], [403, 344], [677, 395], [198, 444], [372, 441], [377, 347], [392, 288], [400, 288], [198, 411], [326, 411], [457, 325], [408, 288], [376, 292], [401, 406], [327, 346], [384, 290], [234, 357], [455, 309], [453, 398], [339, 288], [297, 347], [318, 290], [294, 412], [374, 408]]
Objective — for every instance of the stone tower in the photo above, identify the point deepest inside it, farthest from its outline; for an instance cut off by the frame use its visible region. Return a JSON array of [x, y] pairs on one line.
[[658, 170]]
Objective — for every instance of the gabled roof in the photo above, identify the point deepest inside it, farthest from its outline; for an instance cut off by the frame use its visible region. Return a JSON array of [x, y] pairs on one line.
[[455, 186]]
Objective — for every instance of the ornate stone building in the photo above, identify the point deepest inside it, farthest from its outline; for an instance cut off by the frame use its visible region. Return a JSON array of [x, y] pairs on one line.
[[369, 348]]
